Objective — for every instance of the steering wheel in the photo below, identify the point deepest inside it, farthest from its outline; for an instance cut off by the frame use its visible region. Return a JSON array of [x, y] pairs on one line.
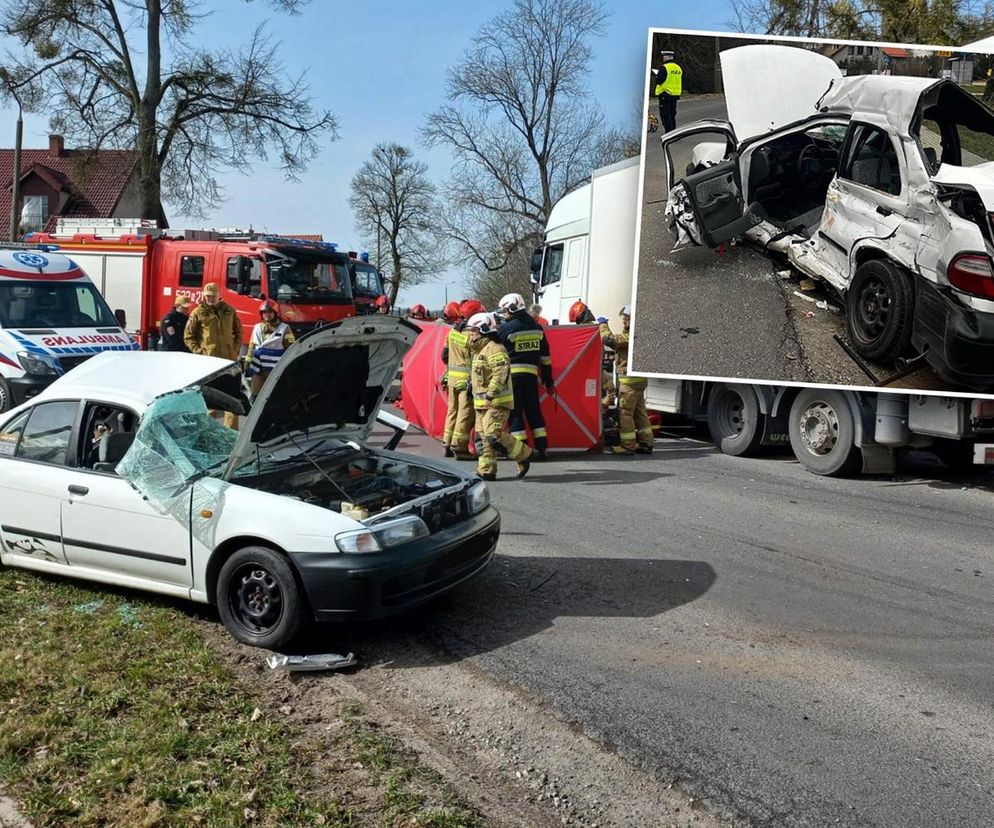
[[811, 167]]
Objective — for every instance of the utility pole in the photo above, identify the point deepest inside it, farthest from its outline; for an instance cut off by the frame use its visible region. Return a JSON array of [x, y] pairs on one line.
[[15, 194]]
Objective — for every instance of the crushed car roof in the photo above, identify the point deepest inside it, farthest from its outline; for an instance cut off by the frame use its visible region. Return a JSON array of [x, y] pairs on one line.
[[132, 378], [881, 99]]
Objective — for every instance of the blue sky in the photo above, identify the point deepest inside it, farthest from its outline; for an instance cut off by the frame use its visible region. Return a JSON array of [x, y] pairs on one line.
[[381, 68]]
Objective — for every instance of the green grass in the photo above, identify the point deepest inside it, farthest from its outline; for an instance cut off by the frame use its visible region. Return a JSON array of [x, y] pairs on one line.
[[114, 711]]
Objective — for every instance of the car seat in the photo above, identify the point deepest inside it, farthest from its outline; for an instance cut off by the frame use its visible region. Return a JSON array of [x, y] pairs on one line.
[[113, 446]]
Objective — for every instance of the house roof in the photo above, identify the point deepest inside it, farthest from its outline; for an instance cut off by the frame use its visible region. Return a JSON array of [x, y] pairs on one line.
[[895, 53], [95, 180]]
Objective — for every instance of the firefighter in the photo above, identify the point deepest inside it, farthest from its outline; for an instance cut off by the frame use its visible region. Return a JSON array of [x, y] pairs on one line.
[[452, 314], [528, 350], [457, 357], [669, 88], [270, 338], [579, 313], [493, 397], [635, 430], [174, 324], [536, 314], [419, 312], [382, 304], [214, 329]]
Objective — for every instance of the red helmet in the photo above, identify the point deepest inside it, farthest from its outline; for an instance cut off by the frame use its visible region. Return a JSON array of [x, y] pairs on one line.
[[419, 312], [268, 305], [471, 307], [451, 312], [382, 301]]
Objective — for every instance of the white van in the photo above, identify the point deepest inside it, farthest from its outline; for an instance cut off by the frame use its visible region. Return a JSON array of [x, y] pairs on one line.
[[52, 318]]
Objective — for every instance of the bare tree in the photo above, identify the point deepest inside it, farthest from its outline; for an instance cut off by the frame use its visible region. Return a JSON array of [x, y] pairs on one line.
[[519, 123], [392, 198], [121, 74], [940, 22]]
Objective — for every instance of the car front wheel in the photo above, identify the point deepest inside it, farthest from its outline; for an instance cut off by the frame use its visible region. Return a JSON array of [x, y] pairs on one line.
[[259, 598], [879, 310]]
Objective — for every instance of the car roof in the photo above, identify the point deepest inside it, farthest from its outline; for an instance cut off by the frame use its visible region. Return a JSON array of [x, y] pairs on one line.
[[132, 378], [885, 99]]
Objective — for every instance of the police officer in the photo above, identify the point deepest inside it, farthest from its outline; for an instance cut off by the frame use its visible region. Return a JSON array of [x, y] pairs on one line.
[[528, 349], [635, 431], [458, 358], [669, 88], [174, 324], [493, 397]]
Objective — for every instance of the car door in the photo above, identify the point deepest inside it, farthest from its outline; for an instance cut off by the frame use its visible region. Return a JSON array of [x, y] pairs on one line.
[[696, 145], [715, 197], [107, 526], [867, 198], [34, 448]]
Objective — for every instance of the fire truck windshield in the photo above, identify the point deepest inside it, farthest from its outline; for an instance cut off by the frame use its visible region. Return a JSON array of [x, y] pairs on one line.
[[34, 304], [309, 278], [367, 280]]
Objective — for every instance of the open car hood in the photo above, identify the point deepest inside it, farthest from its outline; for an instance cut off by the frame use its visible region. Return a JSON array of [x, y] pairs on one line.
[[330, 383], [769, 87]]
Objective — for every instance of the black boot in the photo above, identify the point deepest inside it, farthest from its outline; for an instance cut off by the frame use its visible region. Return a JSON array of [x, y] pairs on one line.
[[523, 467], [448, 452]]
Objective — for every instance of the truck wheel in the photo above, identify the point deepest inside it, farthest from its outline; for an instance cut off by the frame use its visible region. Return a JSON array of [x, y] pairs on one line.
[[823, 433], [879, 310], [259, 598], [6, 401], [734, 419]]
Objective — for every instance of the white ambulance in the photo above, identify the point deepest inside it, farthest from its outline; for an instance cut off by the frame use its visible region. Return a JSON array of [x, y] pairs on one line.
[[52, 318]]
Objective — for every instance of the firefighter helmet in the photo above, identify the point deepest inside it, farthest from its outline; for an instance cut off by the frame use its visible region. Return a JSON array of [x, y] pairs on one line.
[[484, 322], [471, 307], [451, 312], [580, 313], [419, 311], [268, 305], [382, 301], [512, 303]]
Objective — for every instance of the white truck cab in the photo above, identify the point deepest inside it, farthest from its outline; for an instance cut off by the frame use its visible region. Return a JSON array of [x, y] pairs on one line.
[[52, 318]]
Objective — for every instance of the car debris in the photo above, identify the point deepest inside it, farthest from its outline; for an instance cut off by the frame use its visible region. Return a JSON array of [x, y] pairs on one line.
[[310, 663]]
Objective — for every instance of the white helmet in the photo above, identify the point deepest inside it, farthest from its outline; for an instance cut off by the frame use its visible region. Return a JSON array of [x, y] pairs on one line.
[[626, 310], [511, 303], [484, 322]]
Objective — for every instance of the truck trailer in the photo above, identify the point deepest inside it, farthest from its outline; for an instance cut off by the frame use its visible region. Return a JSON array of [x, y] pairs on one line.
[[589, 254]]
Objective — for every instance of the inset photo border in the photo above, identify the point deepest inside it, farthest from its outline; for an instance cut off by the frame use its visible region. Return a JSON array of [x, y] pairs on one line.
[[822, 214]]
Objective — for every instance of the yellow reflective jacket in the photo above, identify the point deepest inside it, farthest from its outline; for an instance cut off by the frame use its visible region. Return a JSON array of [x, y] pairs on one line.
[[672, 85], [459, 359], [492, 377], [620, 344]]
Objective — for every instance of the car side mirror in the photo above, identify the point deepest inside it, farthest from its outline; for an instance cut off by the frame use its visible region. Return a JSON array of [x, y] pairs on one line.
[[122, 318], [536, 264], [244, 275]]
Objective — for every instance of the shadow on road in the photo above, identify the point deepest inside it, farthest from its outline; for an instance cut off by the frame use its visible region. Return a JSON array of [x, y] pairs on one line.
[[516, 598]]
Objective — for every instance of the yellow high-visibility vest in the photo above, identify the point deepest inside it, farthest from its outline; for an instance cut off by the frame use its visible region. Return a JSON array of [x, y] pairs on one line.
[[673, 85]]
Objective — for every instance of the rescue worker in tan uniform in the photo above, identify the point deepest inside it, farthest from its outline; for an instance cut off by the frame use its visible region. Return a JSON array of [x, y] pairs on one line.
[[215, 330], [458, 359], [635, 430], [493, 398]]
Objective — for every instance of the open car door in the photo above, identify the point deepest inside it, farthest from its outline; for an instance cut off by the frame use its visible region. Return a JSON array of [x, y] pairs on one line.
[[715, 197], [695, 146]]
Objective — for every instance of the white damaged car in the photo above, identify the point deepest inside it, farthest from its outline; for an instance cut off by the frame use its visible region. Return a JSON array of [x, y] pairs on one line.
[[881, 187], [118, 473]]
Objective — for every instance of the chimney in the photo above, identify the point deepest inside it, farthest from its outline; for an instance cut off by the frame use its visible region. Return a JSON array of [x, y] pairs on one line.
[[56, 146]]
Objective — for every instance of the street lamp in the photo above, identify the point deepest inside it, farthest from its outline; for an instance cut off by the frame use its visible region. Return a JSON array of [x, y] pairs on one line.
[[454, 281]]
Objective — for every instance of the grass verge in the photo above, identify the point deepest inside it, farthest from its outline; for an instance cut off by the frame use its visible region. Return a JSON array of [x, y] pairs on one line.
[[115, 711]]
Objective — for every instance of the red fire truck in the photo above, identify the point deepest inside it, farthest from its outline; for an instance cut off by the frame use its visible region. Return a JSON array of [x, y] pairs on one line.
[[141, 271], [367, 282]]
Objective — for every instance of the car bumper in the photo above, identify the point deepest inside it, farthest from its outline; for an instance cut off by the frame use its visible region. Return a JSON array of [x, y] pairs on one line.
[[959, 341], [28, 386], [365, 587]]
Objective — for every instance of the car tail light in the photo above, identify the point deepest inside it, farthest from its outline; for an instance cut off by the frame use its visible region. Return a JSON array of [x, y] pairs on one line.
[[972, 273]]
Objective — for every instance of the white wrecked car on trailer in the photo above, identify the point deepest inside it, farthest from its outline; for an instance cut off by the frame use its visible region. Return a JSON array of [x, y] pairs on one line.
[[882, 187]]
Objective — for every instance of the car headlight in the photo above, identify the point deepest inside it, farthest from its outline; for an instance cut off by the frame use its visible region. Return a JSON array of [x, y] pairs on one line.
[[478, 498], [360, 541], [402, 530], [35, 364]]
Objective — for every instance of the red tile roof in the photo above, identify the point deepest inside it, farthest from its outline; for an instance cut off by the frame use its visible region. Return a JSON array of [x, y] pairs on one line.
[[95, 180], [895, 53]]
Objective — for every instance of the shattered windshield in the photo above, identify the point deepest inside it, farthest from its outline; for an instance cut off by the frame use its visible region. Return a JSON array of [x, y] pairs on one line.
[[309, 278], [176, 442]]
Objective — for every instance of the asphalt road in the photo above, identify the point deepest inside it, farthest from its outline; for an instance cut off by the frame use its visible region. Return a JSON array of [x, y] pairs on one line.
[[699, 313], [797, 650]]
